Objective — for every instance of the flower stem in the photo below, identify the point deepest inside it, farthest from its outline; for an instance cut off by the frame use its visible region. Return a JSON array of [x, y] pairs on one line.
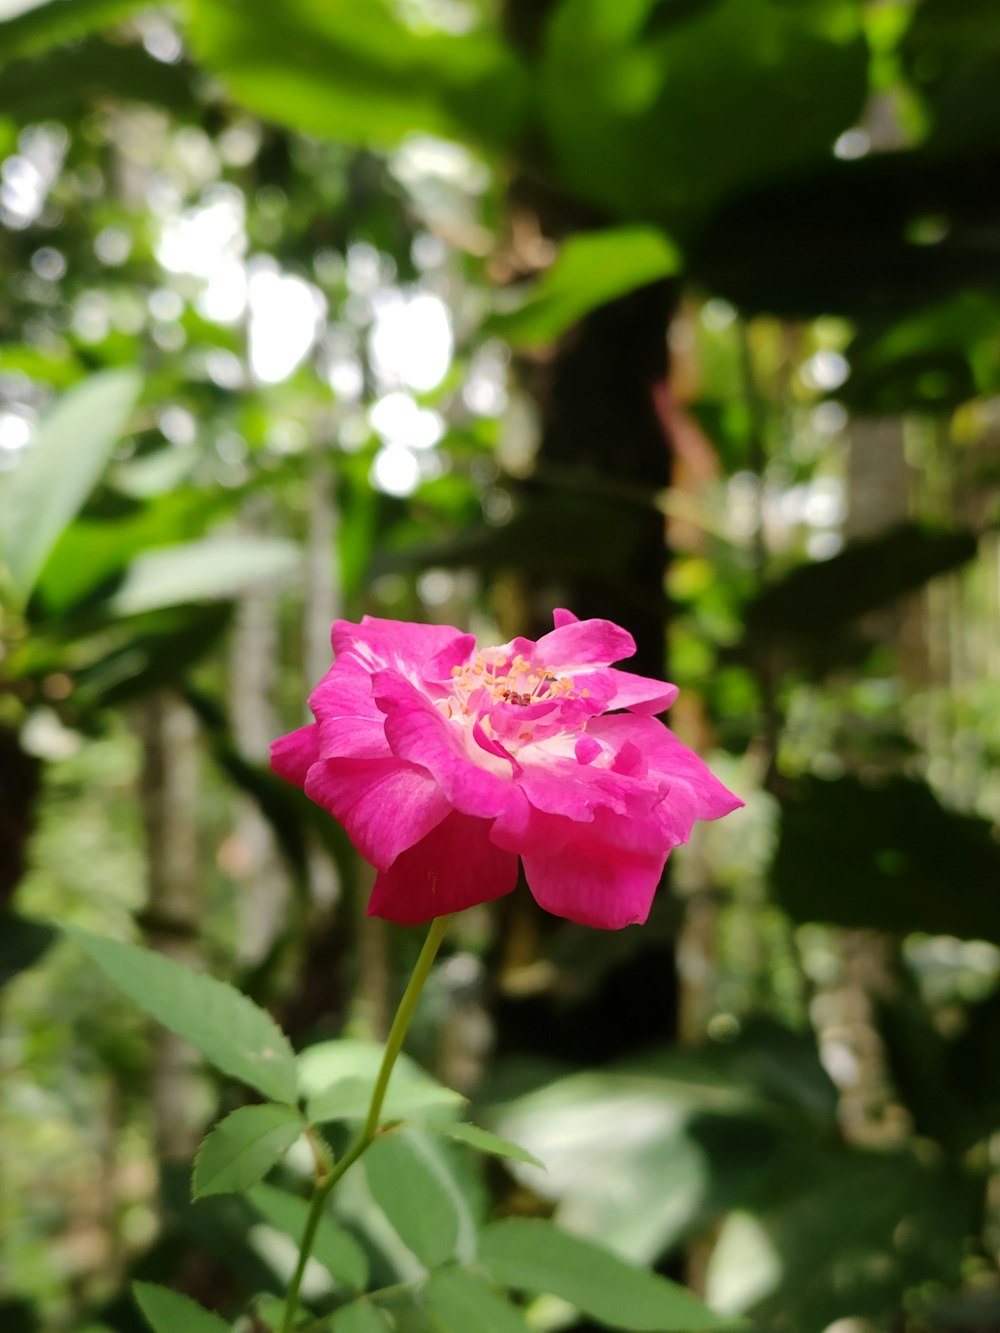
[[394, 1042]]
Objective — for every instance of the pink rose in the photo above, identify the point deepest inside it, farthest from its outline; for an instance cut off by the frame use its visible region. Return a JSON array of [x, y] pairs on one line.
[[445, 764]]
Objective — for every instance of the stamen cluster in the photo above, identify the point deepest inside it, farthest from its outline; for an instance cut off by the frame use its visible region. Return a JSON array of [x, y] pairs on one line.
[[516, 681]]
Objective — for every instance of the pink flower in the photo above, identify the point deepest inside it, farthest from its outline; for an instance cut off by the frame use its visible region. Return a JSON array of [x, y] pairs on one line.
[[445, 764]]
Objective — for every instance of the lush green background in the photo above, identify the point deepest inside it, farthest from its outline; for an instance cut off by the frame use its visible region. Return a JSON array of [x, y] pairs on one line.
[[683, 312]]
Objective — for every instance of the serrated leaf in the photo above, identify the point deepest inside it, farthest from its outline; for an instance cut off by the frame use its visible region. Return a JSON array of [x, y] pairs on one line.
[[241, 1149], [529, 1254], [462, 1302], [230, 1030], [413, 1198], [590, 270], [359, 73], [59, 470], [462, 1132], [348, 1099], [202, 571], [168, 1311], [334, 1247]]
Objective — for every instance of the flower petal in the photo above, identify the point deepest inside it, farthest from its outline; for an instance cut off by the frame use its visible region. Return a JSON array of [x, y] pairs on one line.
[[350, 723], [384, 805], [694, 790], [589, 881], [293, 755], [583, 643], [381, 643], [641, 694], [455, 866], [560, 617], [475, 781]]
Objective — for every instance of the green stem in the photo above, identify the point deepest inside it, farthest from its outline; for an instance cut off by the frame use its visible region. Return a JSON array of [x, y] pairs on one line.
[[394, 1043]]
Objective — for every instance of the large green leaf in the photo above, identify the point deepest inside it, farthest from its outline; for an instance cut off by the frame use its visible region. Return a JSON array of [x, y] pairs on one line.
[[169, 1312], [358, 73], [57, 473], [462, 1302], [529, 1254], [47, 23], [590, 270], [209, 570], [230, 1030], [887, 856], [241, 1149], [660, 120], [411, 1194], [336, 1249]]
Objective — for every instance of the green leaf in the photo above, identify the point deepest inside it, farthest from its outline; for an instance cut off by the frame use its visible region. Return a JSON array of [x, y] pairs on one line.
[[590, 270], [481, 1139], [413, 1197], [57, 473], [336, 1249], [46, 23], [462, 1302], [359, 1317], [231, 1031], [532, 1255], [169, 1312], [241, 1149], [218, 567], [349, 1098], [663, 120], [907, 865], [358, 73]]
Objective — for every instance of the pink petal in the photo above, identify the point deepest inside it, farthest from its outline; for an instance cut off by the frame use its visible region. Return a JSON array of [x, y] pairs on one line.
[[592, 882], [455, 866], [640, 693], [350, 723], [384, 805], [380, 643], [293, 755], [560, 617], [416, 731], [583, 643], [694, 790], [587, 749]]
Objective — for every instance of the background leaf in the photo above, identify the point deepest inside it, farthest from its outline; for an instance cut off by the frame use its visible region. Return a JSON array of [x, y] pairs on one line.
[[218, 567], [590, 270], [529, 1254], [73, 444], [230, 1030]]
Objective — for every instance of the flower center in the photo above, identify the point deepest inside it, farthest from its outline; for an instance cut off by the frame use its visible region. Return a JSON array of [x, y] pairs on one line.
[[515, 681]]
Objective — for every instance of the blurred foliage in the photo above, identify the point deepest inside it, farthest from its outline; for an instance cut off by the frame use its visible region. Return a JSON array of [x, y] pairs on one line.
[[679, 311]]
